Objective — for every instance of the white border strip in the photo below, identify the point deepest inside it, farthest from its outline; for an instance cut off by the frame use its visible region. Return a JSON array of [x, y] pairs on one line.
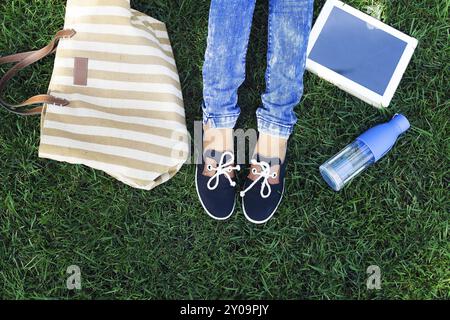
[[124, 49], [150, 69], [116, 30], [133, 154], [90, 113], [118, 133], [122, 104], [119, 172], [122, 85]]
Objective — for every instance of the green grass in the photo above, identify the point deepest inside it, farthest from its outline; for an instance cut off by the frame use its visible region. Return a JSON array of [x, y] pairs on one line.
[[133, 244]]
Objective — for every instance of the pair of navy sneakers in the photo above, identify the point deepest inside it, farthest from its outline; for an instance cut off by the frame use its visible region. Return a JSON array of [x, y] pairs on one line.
[[262, 192]]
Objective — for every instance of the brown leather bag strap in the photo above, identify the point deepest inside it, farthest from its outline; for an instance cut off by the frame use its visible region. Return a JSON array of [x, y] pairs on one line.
[[27, 112], [18, 57], [24, 60], [39, 99], [15, 57]]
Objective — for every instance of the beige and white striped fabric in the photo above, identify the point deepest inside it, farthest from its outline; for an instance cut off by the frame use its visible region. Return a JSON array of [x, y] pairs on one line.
[[128, 119]]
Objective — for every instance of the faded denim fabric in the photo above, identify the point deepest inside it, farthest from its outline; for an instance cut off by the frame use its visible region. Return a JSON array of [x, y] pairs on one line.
[[224, 68]]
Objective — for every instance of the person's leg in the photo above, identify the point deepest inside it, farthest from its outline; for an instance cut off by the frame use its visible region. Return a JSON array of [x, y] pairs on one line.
[[224, 68], [223, 72], [289, 28]]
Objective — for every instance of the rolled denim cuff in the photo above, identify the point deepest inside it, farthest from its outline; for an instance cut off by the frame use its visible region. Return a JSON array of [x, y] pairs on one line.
[[220, 121], [274, 129]]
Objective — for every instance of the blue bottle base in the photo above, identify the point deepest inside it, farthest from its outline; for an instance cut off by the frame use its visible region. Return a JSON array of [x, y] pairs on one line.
[[331, 178]]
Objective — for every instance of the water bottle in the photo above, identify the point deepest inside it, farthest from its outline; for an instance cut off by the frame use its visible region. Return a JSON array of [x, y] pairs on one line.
[[367, 149]]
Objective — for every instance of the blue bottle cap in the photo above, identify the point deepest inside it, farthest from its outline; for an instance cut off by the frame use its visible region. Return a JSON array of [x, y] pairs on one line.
[[382, 137], [400, 122]]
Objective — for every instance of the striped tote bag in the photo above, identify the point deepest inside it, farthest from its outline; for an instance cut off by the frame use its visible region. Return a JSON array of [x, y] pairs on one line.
[[114, 101]]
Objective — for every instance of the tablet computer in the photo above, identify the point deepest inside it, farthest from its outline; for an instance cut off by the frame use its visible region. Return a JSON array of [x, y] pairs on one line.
[[358, 53]]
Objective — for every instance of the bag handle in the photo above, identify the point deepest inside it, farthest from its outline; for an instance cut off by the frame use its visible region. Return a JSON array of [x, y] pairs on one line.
[[23, 60]]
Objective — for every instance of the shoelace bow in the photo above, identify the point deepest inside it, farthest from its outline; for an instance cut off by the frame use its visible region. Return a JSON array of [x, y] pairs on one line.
[[223, 168], [263, 174]]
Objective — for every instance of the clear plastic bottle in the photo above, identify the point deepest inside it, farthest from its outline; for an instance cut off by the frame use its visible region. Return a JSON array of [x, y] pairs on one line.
[[347, 164], [367, 149]]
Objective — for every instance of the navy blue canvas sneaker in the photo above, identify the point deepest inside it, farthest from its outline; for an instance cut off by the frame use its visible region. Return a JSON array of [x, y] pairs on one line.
[[214, 180], [263, 189]]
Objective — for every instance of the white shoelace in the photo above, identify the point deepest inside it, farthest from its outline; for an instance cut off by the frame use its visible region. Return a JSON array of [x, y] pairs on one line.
[[263, 174], [222, 169]]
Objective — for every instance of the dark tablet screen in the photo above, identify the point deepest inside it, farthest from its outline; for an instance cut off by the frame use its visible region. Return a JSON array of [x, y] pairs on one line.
[[358, 51]]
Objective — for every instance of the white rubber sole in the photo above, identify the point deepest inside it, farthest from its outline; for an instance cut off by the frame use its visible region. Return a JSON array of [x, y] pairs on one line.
[[203, 205], [271, 215]]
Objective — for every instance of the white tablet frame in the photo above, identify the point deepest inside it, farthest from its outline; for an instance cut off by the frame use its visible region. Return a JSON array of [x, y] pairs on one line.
[[367, 95]]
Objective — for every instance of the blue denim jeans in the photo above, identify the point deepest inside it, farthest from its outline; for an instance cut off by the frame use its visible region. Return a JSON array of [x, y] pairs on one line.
[[224, 68]]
